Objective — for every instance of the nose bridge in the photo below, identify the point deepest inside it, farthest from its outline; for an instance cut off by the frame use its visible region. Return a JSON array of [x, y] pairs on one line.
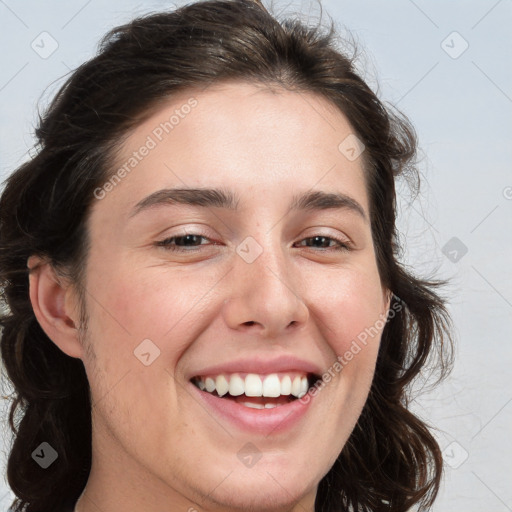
[[273, 262], [264, 291], [270, 271]]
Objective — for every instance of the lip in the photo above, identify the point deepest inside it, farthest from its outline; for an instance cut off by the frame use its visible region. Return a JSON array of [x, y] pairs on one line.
[[264, 422], [261, 365]]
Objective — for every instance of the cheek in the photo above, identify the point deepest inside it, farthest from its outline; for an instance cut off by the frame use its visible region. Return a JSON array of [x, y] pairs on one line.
[[348, 308], [159, 304]]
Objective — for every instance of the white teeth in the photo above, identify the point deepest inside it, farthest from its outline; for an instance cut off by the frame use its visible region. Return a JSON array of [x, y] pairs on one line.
[[222, 385], [236, 385], [303, 387], [253, 385], [253, 406], [209, 384], [259, 406], [296, 386], [286, 385], [271, 386]]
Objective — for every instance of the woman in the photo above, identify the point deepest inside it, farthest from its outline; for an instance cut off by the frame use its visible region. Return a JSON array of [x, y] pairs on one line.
[[206, 310]]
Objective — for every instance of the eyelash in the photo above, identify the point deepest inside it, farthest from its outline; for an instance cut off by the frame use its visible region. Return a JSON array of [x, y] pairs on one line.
[[167, 243]]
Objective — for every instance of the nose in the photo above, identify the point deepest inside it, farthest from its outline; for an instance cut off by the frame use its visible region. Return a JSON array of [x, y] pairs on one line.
[[265, 295]]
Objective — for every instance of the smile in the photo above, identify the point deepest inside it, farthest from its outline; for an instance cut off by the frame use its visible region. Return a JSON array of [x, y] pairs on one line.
[[239, 386], [257, 402]]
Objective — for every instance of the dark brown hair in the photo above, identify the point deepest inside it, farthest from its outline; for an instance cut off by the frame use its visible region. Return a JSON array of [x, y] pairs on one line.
[[391, 460]]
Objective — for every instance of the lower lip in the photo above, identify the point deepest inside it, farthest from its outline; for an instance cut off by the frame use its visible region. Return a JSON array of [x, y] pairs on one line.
[[261, 421]]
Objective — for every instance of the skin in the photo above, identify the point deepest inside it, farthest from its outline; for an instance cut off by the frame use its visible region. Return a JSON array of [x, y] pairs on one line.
[[153, 445]]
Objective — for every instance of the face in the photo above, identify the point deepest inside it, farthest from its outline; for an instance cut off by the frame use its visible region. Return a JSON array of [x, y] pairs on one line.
[[191, 297]]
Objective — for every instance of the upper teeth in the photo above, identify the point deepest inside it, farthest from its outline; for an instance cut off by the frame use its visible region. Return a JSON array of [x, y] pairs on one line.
[[254, 385]]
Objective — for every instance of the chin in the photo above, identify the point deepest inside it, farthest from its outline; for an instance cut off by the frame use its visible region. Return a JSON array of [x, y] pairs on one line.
[[269, 497], [268, 488]]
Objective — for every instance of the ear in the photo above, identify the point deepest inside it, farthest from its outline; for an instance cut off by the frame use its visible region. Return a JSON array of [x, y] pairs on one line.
[[55, 306]]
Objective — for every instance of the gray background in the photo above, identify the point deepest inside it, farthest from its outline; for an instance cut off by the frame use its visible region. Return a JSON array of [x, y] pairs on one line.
[[460, 101]]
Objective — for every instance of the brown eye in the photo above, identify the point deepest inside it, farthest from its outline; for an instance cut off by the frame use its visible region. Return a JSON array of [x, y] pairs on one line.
[[322, 242], [182, 242]]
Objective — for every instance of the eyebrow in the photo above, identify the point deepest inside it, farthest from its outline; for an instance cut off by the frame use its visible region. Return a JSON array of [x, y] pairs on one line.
[[222, 198]]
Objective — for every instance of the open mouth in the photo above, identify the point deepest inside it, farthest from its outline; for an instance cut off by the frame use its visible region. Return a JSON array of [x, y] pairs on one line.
[[257, 391]]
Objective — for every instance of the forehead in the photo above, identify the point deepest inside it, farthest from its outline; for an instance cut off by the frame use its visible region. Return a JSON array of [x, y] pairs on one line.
[[264, 140]]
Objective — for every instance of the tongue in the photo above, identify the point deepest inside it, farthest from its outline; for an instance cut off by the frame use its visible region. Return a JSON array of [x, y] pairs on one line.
[[280, 400]]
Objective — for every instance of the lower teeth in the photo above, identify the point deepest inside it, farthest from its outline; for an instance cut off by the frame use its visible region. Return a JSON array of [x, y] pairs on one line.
[[258, 406], [283, 400]]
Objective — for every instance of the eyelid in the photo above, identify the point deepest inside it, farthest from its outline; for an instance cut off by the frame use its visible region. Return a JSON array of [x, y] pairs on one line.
[[186, 229], [333, 233], [344, 243]]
